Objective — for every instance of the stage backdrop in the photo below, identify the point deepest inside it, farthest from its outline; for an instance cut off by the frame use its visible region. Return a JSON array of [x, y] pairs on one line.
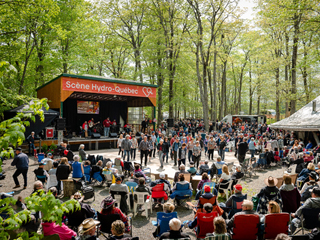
[[111, 109]]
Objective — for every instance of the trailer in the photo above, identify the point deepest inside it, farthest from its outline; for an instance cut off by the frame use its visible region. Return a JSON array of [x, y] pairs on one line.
[[244, 118]]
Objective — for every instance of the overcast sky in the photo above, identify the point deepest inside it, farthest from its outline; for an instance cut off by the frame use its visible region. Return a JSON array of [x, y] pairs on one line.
[[249, 4]]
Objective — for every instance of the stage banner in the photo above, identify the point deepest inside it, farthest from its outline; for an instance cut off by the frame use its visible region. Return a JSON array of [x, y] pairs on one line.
[[91, 86]]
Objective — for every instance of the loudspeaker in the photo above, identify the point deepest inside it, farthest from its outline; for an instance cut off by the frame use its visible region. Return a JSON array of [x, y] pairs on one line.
[[170, 122], [113, 135], [61, 123], [95, 135]]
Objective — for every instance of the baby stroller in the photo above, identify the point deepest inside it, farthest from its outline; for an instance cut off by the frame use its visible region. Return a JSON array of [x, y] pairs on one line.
[[128, 169], [247, 167]]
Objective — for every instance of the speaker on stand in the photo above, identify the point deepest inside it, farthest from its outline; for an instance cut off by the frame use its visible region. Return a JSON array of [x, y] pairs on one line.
[[95, 135], [113, 135]]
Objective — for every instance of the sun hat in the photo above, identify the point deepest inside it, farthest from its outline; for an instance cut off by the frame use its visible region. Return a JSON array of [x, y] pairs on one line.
[[107, 202], [314, 176], [271, 181], [87, 225]]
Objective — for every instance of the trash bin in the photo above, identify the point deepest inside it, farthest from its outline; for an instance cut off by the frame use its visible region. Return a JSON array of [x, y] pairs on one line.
[[40, 156]]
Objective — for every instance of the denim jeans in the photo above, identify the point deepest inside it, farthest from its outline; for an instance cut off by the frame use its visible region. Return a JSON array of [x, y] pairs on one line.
[[190, 155], [165, 156], [106, 131], [161, 158], [252, 153], [221, 154], [31, 149], [126, 153], [133, 153]]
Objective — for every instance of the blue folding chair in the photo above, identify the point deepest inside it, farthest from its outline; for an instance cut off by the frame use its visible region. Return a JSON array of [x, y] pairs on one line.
[[131, 186], [182, 192], [210, 184], [162, 222]]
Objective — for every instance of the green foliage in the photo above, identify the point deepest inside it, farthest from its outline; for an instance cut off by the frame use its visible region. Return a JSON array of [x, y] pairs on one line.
[[44, 148]]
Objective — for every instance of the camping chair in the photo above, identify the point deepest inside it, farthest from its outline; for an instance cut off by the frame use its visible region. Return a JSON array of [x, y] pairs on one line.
[[140, 201], [147, 173], [275, 224], [227, 186], [108, 177], [106, 222], [39, 175], [309, 219], [236, 205], [290, 200], [128, 168], [158, 192], [122, 200], [205, 224], [213, 201], [117, 165], [210, 184], [162, 222], [245, 227], [75, 219], [182, 192]]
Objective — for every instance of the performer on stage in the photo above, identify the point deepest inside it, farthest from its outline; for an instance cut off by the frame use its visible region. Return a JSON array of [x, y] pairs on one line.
[[30, 140], [106, 125], [85, 128]]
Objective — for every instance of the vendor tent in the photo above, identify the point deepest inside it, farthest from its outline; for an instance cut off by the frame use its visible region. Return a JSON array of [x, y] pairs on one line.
[[305, 119], [38, 125]]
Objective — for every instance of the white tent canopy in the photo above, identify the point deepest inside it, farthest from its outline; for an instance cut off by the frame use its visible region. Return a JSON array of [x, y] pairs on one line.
[[304, 119]]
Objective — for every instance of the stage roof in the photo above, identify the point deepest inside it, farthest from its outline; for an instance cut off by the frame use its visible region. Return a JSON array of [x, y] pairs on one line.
[[97, 88], [304, 119]]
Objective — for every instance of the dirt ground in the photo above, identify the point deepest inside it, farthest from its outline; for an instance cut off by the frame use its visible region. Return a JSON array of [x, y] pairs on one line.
[[142, 227]]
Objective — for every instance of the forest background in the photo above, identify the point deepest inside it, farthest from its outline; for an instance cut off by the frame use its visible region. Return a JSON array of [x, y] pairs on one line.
[[207, 60]]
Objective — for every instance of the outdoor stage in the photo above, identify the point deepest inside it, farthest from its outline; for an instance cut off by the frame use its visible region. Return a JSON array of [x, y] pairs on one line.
[[91, 143]]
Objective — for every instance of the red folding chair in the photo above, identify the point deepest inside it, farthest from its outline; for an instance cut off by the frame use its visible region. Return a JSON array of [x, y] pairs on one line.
[[276, 223], [213, 201], [158, 192], [245, 227], [205, 223]]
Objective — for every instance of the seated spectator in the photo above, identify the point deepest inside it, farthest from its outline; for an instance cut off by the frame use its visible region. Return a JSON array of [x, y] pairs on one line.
[[142, 188], [237, 193], [87, 170], [96, 172], [192, 169], [175, 231], [117, 230], [37, 187], [304, 173], [237, 174], [204, 168], [273, 207], [308, 157], [82, 153], [308, 186], [220, 229], [77, 168], [63, 171], [19, 206], [136, 178], [109, 167], [137, 169], [120, 189], [225, 177], [50, 228], [218, 166], [162, 179], [80, 215], [287, 183], [41, 174], [182, 181], [182, 170], [167, 208], [247, 208], [87, 229], [207, 208], [48, 162], [205, 178], [108, 207], [268, 193], [313, 202], [207, 193]]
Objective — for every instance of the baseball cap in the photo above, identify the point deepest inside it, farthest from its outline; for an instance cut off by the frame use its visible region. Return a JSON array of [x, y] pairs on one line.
[[49, 154], [162, 175], [18, 149], [207, 188], [238, 187]]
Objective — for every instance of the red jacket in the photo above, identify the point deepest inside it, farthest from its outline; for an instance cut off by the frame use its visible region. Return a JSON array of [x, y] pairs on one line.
[[106, 123]]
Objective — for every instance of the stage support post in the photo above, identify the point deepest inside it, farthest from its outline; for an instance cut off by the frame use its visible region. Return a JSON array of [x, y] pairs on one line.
[[61, 109]]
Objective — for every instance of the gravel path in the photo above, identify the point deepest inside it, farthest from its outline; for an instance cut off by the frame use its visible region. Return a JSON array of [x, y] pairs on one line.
[[142, 227]]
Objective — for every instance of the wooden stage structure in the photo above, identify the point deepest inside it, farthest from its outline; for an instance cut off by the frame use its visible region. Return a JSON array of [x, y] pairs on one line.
[[91, 143]]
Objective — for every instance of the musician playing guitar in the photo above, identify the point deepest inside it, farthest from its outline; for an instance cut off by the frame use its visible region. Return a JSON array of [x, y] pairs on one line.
[[91, 126]]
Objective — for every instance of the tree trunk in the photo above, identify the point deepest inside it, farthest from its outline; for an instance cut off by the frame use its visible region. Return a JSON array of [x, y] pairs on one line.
[[211, 94], [305, 73], [250, 91], [277, 72], [223, 89], [214, 80]]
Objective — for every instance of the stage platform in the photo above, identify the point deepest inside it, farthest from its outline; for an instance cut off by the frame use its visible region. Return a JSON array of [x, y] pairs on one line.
[[91, 143]]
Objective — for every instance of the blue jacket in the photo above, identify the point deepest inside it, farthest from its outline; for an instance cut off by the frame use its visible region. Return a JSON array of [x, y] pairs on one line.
[[21, 161]]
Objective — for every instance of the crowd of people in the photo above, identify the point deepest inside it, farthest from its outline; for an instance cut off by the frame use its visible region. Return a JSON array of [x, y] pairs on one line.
[[188, 140]]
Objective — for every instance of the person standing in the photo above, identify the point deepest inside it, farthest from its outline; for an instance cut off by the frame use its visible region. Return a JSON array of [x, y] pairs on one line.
[[85, 128], [182, 154], [126, 147], [190, 146], [119, 144], [30, 140], [160, 148], [211, 144], [134, 146], [166, 146], [242, 150], [154, 140], [21, 161], [144, 150], [144, 125], [222, 147], [106, 125], [175, 147], [196, 153]]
